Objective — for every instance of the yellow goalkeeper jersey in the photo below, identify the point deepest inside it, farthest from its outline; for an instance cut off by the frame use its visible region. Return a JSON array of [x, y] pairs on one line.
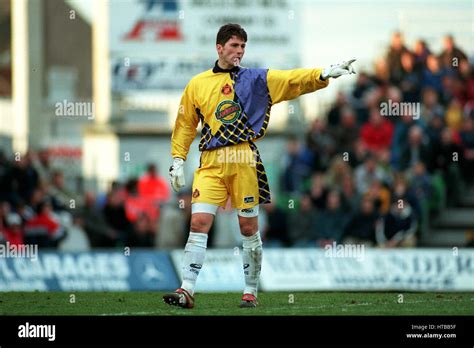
[[234, 105]]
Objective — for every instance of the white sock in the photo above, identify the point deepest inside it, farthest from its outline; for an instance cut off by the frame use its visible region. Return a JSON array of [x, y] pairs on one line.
[[252, 259], [194, 254]]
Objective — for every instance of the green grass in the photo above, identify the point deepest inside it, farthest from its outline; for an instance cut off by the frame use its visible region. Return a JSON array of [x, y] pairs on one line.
[[271, 303]]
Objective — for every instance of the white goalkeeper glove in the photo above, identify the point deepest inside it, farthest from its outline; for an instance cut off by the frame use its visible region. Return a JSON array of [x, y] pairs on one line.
[[177, 174], [337, 70]]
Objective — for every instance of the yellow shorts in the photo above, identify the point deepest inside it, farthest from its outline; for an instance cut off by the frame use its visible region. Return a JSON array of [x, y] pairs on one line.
[[236, 171]]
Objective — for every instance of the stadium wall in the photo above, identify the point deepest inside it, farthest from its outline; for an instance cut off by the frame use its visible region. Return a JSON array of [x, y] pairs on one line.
[[336, 268]]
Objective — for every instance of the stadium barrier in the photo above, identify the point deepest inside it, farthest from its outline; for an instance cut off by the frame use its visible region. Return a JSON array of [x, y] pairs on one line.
[[348, 268], [336, 268], [88, 271]]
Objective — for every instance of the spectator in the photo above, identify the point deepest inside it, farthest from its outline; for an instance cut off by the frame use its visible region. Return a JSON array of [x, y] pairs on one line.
[[410, 82], [368, 172], [448, 154], [434, 131], [25, 211], [467, 142], [301, 222], [433, 74], [346, 133], [63, 199], [364, 84], [6, 179], [420, 182], [454, 115], [318, 191], [421, 53], [334, 115], [451, 55], [5, 210], [94, 224], [144, 235], [329, 225], [13, 233], [394, 61], [466, 84], [401, 194], [24, 178], [337, 172], [449, 92], [350, 197], [430, 106], [377, 134], [398, 227], [380, 195], [42, 164], [276, 233], [382, 72], [358, 155], [415, 150], [297, 167], [321, 144], [114, 212], [383, 161], [153, 186], [43, 229], [361, 226], [143, 214]]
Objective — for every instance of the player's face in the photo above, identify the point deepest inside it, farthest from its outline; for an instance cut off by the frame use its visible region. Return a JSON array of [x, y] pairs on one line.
[[231, 53]]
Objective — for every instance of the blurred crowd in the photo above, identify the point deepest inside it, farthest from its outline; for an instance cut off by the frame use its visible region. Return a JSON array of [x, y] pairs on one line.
[[357, 176], [370, 173], [37, 207]]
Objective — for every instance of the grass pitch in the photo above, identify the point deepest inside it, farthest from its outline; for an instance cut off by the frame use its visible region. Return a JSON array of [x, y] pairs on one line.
[[270, 303]]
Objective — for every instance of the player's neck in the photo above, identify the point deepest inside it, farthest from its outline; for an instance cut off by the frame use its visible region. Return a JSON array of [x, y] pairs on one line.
[[219, 69], [223, 65]]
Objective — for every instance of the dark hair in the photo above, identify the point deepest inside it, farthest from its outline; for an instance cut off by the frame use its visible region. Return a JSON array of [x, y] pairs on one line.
[[40, 206], [132, 186], [227, 31]]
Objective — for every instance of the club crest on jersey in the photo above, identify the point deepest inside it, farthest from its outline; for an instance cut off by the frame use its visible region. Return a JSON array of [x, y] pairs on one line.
[[226, 90], [196, 193], [228, 111]]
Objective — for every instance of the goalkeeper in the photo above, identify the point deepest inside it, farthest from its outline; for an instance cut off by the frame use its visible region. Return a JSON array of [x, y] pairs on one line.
[[233, 105]]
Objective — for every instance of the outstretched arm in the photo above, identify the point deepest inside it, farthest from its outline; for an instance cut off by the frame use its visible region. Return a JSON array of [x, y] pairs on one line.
[[290, 84]]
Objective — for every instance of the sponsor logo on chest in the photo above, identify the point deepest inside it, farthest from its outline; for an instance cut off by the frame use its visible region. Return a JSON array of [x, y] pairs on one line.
[[228, 111]]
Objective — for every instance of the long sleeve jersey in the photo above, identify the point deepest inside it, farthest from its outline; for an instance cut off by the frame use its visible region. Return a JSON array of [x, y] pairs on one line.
[[234, 105]]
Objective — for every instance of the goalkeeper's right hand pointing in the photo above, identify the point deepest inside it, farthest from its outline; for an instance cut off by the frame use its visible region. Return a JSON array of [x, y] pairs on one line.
[[337, 70]]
